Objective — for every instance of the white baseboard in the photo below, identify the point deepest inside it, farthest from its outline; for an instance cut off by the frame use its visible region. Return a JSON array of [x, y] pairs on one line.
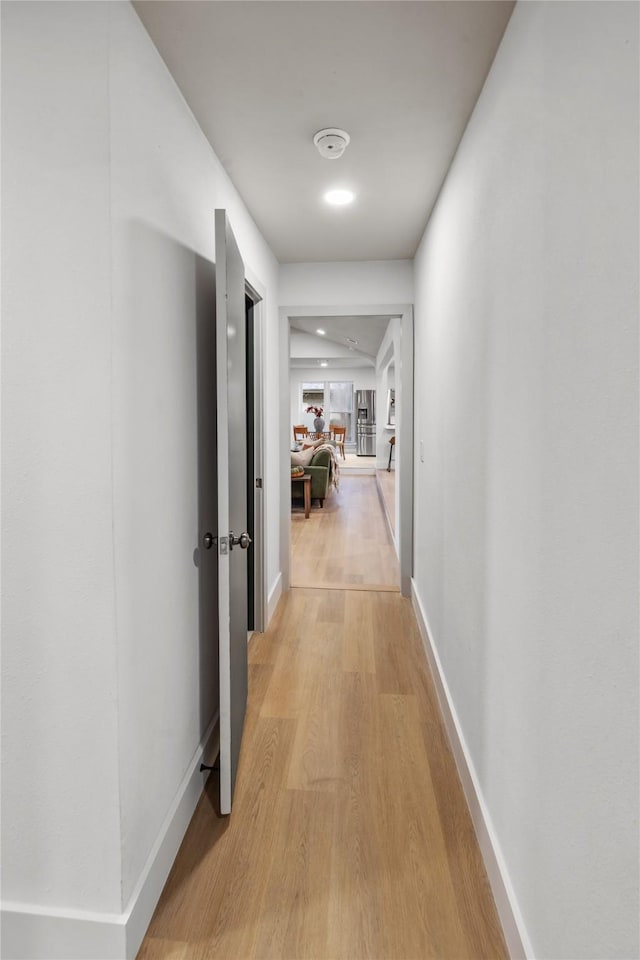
[[156, 870], [32, 932], [513, 927], [385, 510], [274, 596]]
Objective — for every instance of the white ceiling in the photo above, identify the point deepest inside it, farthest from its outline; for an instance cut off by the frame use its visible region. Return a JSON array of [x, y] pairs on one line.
[[262, 76], [341, 331]]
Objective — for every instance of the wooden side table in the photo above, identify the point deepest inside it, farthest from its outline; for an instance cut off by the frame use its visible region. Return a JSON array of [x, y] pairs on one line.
[[306, 480]]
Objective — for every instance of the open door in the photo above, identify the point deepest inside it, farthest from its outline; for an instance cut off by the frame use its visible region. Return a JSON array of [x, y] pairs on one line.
[[233, 539]]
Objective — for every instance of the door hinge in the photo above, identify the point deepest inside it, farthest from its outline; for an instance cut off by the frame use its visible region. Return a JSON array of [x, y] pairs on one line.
[[224, 546], [259, 483]]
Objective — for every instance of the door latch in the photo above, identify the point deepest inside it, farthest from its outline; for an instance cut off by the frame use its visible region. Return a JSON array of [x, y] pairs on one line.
[[224, 546]]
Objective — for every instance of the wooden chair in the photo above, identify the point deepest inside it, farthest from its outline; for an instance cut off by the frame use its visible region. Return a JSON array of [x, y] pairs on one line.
[[300, 432], [338, 434]]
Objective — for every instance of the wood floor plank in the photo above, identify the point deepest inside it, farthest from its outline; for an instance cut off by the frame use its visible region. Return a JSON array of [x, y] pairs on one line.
[[358, 865], [233, 905], [358, 653], [217, 879], [316, 757], [350, 837], [363, 587], [347, 543], [263, 648], [294, 916], [331, 605], [153, 949], [259, 678], [421, 889], [286, 691], [392, 635]]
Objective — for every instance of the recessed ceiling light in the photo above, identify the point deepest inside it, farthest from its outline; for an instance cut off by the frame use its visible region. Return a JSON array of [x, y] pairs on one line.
[[321, 332], [339, 198], [324, 363]]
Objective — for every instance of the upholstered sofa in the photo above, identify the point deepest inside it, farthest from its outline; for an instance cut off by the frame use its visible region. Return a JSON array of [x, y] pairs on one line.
[[318, 468]]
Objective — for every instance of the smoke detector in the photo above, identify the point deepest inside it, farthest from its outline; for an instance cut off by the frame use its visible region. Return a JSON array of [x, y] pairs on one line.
[[331, 143]]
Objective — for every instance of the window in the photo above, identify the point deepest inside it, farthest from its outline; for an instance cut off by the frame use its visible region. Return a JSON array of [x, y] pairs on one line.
[[335, 398], [341, 406], [312, 396]]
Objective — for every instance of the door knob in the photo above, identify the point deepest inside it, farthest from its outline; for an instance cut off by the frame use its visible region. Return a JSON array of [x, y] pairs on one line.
[[242, 541], [207, 541]]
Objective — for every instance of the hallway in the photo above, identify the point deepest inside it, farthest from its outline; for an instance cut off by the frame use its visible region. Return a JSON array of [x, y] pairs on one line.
[[345, 544], [493, 164], [350, 837]]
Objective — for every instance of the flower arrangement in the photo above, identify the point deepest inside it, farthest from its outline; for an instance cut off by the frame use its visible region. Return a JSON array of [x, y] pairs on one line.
[[316, 411]]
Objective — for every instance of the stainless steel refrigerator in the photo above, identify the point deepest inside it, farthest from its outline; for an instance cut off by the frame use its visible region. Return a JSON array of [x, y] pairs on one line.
[[366, 423]]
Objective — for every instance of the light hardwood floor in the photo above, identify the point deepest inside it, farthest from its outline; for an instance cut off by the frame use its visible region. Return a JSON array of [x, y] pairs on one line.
[[349, 836], [353, 462], [346, 544]]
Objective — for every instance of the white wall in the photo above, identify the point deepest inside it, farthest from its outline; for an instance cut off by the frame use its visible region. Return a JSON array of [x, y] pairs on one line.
[[386, 381], [526, 525], [109, 190], [166, 183], [369, 281], [61, 843], [389, 355]]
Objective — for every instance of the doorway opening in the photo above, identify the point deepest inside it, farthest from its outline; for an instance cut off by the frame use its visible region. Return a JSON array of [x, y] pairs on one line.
[[327, 348], [256, 590], [347, 545]]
